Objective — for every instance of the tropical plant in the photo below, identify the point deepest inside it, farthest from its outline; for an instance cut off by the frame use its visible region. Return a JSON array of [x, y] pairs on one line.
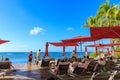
[[117, 53], [93, 54], [106, 12], [117, 17], [106, 16], [90, 22]]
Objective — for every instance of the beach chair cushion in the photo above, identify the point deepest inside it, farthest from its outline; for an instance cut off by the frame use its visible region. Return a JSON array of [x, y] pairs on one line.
[[62, 59], [117, 76], [63, 68], [4, 65]]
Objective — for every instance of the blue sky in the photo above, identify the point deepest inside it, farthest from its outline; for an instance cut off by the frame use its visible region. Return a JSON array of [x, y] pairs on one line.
[[29, 24]]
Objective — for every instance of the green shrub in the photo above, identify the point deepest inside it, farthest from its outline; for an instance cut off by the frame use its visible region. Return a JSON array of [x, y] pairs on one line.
[[117, 55], [93, 54]]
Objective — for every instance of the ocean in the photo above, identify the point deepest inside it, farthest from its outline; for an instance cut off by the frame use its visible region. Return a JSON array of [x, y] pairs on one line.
[[22, 57]]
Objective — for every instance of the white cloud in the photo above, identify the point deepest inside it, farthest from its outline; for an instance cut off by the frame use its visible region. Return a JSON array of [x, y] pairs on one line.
[[69, 28], [36, 30]]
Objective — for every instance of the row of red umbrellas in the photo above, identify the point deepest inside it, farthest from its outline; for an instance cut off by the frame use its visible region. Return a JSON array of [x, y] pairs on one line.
[[96, 34]]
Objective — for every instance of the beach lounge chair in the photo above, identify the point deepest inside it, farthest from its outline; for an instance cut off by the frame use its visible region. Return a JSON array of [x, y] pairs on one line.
[[45, 63], [2, 74], [4, 68], [102, 76], [63, 68], [61, 71], [82, 71], [4, 65], [79, 59], [78, 70], [52, 63], [102, 73], [71, 59], [110, 65], [62, 59]]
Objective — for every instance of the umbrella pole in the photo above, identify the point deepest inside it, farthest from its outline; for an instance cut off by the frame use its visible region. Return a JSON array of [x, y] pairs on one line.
[[80, 46]]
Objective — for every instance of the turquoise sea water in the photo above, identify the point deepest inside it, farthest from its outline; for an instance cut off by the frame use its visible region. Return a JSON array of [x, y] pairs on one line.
[[22, 57]]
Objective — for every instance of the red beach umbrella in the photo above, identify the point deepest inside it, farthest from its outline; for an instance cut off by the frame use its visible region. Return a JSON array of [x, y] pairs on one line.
[[3, 41], [105, 32], [62, 44]]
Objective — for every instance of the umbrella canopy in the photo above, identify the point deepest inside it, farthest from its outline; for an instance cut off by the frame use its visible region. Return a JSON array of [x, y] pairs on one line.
[[58, 44], [105, 32], [3, 41], [103, 45], [62, 44], [80, 39]]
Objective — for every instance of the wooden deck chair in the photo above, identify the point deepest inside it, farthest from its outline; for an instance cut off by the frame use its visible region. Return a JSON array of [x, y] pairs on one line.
[[5, 68], [61, 59], [117, 76], [91, 66], [63, 68], [79, 71], [45, 63], [79, 59], [61, 72], [102, 76], [109, 66], [71, 59], [52, 63], [4, 65]]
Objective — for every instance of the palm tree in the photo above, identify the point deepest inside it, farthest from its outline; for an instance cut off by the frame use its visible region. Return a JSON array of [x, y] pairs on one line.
[[90, 22], [117, 17], [106, 12]]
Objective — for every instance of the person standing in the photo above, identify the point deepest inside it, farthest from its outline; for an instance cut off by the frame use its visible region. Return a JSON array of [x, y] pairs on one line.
[[30, 57], [74, 54], [38, 56], [2, 59]]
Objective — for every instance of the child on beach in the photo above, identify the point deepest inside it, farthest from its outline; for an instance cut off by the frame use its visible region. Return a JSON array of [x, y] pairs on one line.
[[35, 60]]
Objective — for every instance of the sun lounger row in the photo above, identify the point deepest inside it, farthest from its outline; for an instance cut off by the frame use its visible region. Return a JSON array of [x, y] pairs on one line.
[[93, 69]]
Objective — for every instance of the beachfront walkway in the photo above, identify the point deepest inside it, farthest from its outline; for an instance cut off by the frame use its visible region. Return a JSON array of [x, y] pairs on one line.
[[31, 72], [27, 72]]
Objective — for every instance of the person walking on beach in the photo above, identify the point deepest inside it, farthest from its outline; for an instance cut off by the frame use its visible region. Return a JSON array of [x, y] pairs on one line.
[[38, 56], [30, 57]]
